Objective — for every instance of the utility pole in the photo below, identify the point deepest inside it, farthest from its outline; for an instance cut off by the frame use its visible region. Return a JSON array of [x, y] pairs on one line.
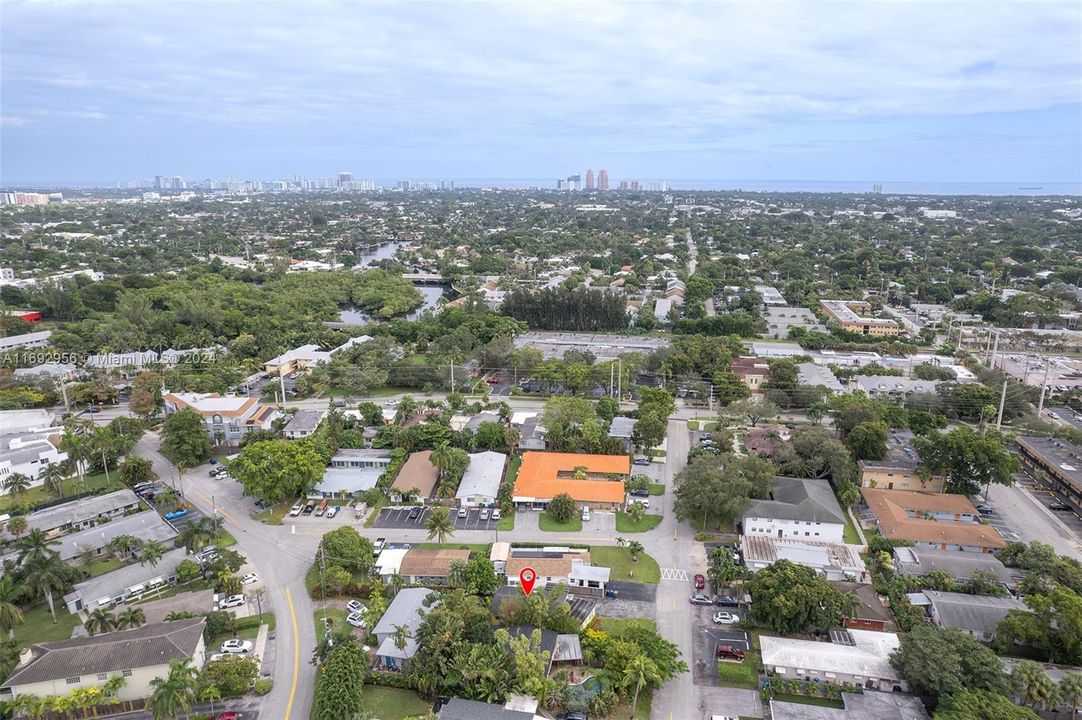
[[451, 365], [1002, 401], [1044, 386], [995, 350], [282, 384], [612, 378], [323, 592]]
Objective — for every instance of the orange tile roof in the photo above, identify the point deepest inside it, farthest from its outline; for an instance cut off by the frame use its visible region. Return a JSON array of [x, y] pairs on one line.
[[890, 506], [538, 477]]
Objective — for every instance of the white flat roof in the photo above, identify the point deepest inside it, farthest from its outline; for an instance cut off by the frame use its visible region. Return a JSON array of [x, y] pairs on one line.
[[869, 656]]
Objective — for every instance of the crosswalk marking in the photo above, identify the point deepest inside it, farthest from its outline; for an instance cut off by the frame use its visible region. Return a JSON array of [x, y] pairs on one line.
[[674, 574]]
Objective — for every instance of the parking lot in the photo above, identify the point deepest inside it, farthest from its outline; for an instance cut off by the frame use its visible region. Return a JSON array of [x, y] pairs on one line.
[[707, 637], [398, 518], [1070, 519]]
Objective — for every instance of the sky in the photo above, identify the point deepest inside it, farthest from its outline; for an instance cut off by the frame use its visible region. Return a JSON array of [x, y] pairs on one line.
[[913, 91]]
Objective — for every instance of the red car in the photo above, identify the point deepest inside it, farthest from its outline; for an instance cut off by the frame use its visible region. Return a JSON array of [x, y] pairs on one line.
[[729, 652], [227, 716], [700, 582]]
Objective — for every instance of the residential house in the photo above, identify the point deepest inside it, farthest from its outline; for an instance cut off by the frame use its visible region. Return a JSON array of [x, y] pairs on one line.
[[813, 375], [834, 561], [662, 309], [459, 709], [17, 421], [595, 481], [417, 477], [125, 584], [622, 429], [389, 562], [960, 566], [869, 612], [553, 565], [978, 615], [295, 360], [28, 453], [900, 468], [481, 482], [430, 566], [931, 520], [139, 656], [404, 611], [532, 435], [147, 526], [498, 555], [892, 388], [859, 657], [57, 371], [1056, 463], [227, 418], [753, 371], [26, 340], [303, 423], [84, 512], [858, 706], [797, 508], [352, 471]]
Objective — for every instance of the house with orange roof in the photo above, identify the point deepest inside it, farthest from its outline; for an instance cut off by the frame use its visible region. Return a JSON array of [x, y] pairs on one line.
[[936, 521], [228, 418], [595, 481]]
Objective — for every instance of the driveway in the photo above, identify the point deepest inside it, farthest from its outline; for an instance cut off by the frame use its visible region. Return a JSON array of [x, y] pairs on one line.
[[637, 592]]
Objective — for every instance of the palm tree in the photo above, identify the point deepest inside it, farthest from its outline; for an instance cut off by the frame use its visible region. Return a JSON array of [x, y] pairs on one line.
[[77, 445], [396, 582], [47, 574], [151, 553], [99, 621], [640, 672], [104, 443], [400, 636], [1070, 692], [175, 693], [16, 525], [1033, 685], [132, 617], [456, 574], [209, 694], [33, 545], [634, 547], [442, 458], [179, 615], [229, 584], [10, 614], [123, 545], [17, 483], [201, 533], [439, 524]]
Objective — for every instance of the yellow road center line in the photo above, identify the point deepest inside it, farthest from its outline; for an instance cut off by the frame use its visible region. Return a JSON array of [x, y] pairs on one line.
[[296, 654]]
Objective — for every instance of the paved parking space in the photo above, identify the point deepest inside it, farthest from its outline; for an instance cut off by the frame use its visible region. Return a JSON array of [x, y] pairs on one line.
[[473, 521], [398, 518], [707, 637], [639, 592]]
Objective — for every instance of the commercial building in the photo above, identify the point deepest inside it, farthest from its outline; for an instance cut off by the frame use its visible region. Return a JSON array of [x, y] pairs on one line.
[[481, 482], [227, 418], [859, 657], [797, 508], [931, 520], [1055, 463], [900, 467], [834, 561], [855, 316], [595, 481], [818, 376], [977, 615], [553, 345], [780, 320], [138, 656]]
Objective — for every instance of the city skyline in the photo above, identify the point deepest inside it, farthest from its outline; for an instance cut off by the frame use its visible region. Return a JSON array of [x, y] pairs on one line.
[[835, 92]]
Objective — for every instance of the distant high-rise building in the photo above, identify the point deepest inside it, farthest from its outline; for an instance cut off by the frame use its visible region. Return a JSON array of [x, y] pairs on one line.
[[447, 184], [634, 185], [345, 178], [623, 185], [160, 182], [603, 180], [589, 179], [179, 183]]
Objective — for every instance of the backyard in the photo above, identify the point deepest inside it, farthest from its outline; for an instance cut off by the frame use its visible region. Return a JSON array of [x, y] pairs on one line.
[[392, 703], [72, 486]]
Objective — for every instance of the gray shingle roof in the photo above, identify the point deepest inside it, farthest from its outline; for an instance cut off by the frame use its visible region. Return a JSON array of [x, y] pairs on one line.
[[622, 427], [459, 709], [959, 565], [972, 613], [146, 646], [483, 475], [84, 509], [403, 611], [799, 499]]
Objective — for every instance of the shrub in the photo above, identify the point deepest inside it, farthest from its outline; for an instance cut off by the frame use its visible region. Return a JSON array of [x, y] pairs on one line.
[[263, 686]]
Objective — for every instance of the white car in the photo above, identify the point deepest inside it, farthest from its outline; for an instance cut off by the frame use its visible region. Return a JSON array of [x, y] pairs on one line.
[[356, 606], [356, 619], [463, 512], [333, 510], [235, 646], [484, 513], [249, 579], [726, 618], [585, 514], [217, 656], [495, 514], [295, 510], [231, 602]]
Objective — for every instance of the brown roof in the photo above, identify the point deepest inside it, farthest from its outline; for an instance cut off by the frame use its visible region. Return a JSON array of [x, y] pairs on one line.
[[890, 506], [544, 566], [146, 646], [417, 472], [871, 606], [419, 562]]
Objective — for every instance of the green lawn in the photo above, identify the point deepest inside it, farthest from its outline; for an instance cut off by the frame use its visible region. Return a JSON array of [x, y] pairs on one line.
[[383, 502], [712, 525], [480, 548], [642, 708], [657, 489], [225, 539], [619, 559], [618, 626], [850, 533], [393, 704], [625, 523], [547, 524], [72, 486], [743, 674], [507, 522], [37, 625], [102, 566], [274, 514], [337, 618], [805, 700]]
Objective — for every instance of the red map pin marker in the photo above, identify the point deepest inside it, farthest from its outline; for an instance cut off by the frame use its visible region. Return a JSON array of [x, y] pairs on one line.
[[527, 577]]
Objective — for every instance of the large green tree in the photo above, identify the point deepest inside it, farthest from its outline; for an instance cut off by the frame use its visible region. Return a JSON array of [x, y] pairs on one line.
[[939, 662], [981, 705], [969, 459], [278, 469], [347, 548], [1053, 625], [720, 488], [790, 598], [868, 440], [184, 439]]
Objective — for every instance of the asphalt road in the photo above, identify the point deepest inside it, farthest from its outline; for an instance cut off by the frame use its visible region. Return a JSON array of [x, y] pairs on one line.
[[1029, 517]]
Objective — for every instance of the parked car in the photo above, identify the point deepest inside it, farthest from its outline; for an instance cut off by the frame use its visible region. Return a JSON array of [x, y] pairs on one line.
[[237, 646], [356, 620], [726, 618], [700, 599], [984, 508], [356, 606], [700, 582], [249, 579], [463, 512], [213, 472], [333, 510], [227, 715], [727, 601], [176, 514], [495, 514], [639, 492], [415, 512], [322, 508], [230, 602], [338, 403], [728, 652], [94, 409], [484, 513], [295, 510], [1057, 505], [308, 508], [644, 501], [641, 461], [586, 514], [217, 656], [572, 716]]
